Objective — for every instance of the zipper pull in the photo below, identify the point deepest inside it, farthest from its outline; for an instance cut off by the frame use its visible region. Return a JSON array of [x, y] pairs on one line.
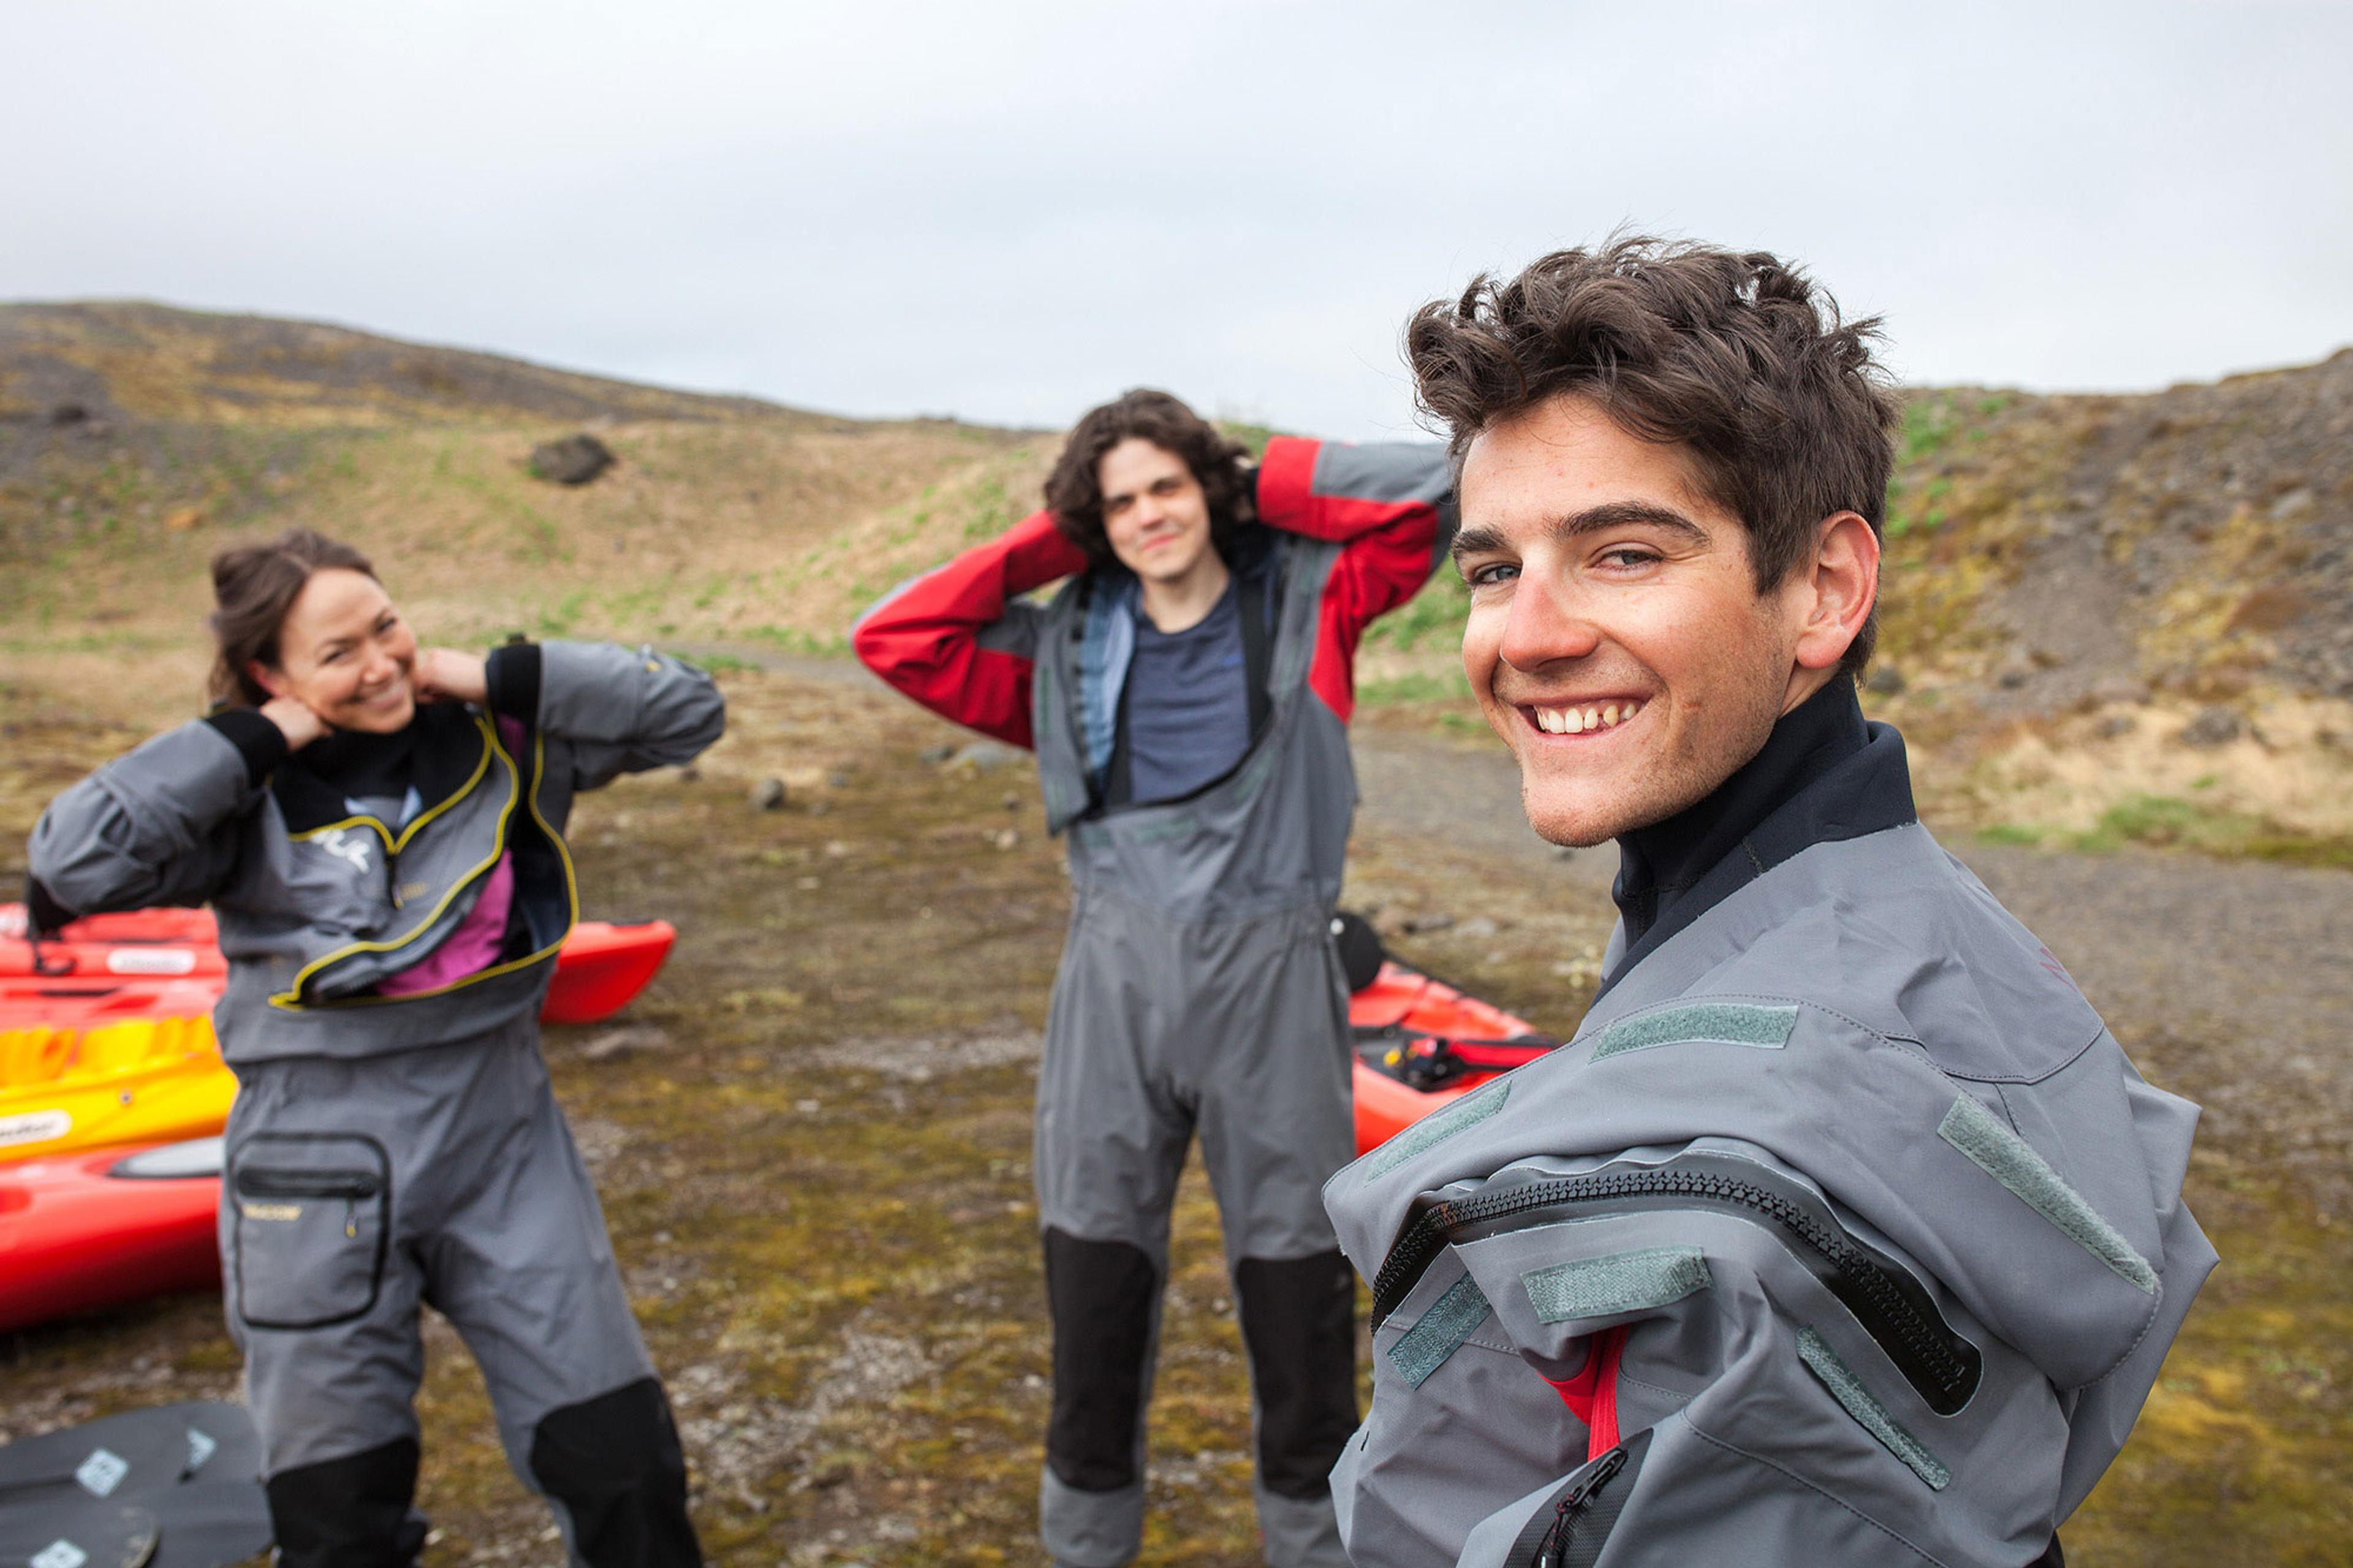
[[1565, 1511], [1608, 1465]]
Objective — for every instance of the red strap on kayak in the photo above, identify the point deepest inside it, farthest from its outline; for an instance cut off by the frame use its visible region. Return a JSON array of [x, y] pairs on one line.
[[1592, 1395], [1499, 1056]]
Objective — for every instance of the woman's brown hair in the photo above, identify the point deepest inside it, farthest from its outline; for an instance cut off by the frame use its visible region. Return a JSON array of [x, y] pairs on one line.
[[253, 588]]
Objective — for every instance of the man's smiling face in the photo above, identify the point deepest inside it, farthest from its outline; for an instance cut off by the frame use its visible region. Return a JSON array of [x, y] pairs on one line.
[[1617, 641]]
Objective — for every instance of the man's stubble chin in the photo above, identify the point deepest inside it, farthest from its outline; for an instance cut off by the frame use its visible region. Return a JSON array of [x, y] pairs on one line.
[[1671, 786]]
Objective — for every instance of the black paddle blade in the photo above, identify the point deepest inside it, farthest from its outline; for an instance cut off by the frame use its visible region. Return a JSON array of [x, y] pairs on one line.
[[117, 1458], [210, 1525], [77, 1532]]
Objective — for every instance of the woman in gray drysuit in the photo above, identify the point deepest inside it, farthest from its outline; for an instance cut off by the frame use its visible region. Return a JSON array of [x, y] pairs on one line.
[[391, 894], [1200, 990]]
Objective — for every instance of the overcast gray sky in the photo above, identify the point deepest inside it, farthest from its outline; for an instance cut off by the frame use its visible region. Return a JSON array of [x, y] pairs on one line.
[[1009, 211]]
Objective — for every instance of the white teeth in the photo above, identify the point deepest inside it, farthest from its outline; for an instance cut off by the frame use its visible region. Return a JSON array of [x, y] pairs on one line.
[[1584, 721]]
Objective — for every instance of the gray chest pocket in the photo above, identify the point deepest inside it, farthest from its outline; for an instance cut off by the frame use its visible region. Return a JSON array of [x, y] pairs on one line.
[[312, 1222]]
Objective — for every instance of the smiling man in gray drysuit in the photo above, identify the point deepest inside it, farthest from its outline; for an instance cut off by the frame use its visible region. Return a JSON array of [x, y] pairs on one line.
[[1843, 1233], [1187, 691]]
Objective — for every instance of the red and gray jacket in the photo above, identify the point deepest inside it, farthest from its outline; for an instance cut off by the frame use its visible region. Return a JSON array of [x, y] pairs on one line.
[[1355, 531]]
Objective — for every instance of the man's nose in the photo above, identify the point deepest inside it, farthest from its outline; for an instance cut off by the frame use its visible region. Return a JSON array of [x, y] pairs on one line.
[[1546, 624]]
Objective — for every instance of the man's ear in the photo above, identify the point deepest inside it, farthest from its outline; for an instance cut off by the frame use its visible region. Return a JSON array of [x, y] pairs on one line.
[[1839, 591], [274, 682]]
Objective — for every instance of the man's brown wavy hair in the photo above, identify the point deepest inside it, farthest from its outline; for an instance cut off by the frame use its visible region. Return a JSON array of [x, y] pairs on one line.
[[1738, 358], [1074, 491]]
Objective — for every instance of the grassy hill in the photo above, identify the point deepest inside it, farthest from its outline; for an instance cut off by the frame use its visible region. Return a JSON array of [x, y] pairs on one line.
[[136, 440], [2106, 617]]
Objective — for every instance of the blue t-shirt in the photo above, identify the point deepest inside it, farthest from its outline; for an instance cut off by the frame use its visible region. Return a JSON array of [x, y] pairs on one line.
[[1188, 703]]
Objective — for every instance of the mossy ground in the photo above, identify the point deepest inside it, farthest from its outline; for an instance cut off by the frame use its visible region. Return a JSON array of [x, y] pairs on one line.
[[815, 1164]]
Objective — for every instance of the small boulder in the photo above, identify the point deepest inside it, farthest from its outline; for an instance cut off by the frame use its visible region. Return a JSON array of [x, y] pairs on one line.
[[1884, 680], [68, 413], [987, 756], [769, 794], [2214, 726], [574, 460], [623, 1041]]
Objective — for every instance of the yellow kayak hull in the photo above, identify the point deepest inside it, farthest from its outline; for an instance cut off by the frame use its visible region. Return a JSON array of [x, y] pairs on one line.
[[149, 1080]]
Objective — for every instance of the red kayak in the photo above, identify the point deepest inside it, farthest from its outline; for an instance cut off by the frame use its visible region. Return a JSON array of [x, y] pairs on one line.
[[104, 1226], [601, 968], [149, 962], [1421, 1043]]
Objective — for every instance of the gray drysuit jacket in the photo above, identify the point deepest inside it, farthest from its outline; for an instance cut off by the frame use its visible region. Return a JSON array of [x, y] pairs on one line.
[[390, 1150], [318, 904], [1842, 1233]]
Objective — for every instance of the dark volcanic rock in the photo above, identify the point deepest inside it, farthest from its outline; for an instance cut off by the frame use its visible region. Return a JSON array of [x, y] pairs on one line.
[[2213, 726], [574, 460]]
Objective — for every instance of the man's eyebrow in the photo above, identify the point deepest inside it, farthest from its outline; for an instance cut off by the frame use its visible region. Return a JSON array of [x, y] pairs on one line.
[[1479, 541], [1483, 541], [1619, 514]]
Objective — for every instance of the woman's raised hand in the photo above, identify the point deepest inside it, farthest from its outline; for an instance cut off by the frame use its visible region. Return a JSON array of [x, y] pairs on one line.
[[294, 721], [446, 674]]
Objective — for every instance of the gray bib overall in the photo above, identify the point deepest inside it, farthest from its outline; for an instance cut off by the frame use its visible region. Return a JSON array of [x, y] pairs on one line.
[[1200, 992]]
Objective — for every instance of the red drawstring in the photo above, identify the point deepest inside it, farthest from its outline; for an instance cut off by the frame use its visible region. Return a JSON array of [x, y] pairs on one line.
[[1592, 1395]]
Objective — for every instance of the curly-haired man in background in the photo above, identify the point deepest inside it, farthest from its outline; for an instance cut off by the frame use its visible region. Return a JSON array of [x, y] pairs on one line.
[[1187, 693]]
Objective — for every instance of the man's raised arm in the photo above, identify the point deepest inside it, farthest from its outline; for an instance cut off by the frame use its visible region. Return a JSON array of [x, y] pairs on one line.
[[960, 639]]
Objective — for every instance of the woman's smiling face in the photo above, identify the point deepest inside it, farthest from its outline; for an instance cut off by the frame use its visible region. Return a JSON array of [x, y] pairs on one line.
[[345, 653]]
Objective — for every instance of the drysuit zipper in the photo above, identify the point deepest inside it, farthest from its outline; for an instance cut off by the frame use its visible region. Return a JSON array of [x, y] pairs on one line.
[[1939, 1363], [353, 1187], [357, 1187], [1551, 1552]]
